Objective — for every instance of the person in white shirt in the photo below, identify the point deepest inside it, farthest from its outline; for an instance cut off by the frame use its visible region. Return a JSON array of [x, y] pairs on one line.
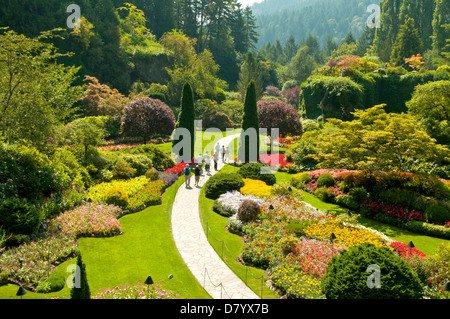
[[207, 163], [227, 155], [200, 160]]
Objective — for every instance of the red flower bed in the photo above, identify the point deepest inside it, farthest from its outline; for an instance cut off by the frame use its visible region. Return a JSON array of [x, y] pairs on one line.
[[338, 174], [268, 159], [392, 210], [177, 169], [405, 252]]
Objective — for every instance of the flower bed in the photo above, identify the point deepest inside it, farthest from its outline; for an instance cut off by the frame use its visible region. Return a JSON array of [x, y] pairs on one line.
[[288, 209], [231, 201], [177, 169], [346, 236], [256, 188], [136, 291], [275, 159], [91, 220], [406, 252], [392, 211], [32, 263], [141, 192]]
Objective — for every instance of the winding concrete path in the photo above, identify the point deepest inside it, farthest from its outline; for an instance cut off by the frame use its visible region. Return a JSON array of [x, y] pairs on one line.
[[209, 269]]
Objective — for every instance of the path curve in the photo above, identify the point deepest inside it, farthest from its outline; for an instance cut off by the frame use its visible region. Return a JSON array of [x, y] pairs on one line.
[[202, 260]]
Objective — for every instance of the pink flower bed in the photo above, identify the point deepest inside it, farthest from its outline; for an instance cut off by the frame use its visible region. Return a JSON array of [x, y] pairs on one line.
[[92, 219], [392, 210], [338, 174], [276, 159], [314, 256]]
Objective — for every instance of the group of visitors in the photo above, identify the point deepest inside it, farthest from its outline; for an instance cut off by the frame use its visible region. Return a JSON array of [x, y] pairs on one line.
[[220, 153]]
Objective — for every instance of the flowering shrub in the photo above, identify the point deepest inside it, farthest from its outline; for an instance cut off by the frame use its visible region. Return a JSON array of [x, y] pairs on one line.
[[404, 251], [231, 201], [148, 195], [137, 291], [168, 178], [132, 186], [256, 188], [32, 263], [288, 209], [177, 169], [140, 190], [92, 219]]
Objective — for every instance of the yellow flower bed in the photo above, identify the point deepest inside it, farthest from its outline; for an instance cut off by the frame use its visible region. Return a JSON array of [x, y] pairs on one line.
[[256, 188], [346, 236]]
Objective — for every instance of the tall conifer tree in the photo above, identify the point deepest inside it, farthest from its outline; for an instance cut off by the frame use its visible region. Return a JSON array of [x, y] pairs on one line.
[[186, 118], [250, 120]]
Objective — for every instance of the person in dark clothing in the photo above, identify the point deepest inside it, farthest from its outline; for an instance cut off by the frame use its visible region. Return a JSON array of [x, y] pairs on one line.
[[198, 174]]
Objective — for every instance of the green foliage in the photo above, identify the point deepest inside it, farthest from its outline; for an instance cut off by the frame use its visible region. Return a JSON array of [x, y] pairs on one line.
[[256, 171], [325, 180], [118, 197], [428, 229], [325, 194], [288, 244], [186, 119], [37, 92], [298, 227], [83, 291], [300, 179], [408, 43], [222, 183], [284, 189], [328, 96], [55, 282], [248, 211], [347, 201], [347, 276], [437, 214], [123, 170], [250, 122], [212, 118], [152, 174], [19, 216]]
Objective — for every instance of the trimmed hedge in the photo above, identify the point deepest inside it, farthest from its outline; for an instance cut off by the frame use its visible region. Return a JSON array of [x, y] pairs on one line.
[[222, 183], [253, 171]]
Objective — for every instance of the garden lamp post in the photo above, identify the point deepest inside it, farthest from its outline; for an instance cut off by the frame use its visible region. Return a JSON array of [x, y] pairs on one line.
[[21, 292], [148, 282], [410, 246]]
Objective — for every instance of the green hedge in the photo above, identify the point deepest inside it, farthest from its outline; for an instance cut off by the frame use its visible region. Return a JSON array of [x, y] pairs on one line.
[[428, 229], [358, 90]]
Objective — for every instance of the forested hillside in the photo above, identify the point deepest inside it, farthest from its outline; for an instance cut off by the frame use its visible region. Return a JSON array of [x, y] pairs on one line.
[[278, 20]]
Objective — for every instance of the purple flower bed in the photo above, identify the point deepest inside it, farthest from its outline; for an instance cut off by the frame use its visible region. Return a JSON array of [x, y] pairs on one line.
[[168, 178]]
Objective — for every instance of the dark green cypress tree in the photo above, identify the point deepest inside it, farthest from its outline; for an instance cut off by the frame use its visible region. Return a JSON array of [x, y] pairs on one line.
[[186, 118], [408, 43], [82, 292], [440, 32], [250, 120]]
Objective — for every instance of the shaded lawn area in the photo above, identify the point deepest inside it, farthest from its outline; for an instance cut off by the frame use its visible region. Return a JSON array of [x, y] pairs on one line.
[[428, 245], [146, 248]]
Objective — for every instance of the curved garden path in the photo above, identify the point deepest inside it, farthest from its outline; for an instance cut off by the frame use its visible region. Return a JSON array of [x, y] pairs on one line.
[[204, 263]]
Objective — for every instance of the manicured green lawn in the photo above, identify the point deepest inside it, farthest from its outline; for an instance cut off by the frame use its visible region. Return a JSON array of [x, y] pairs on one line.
[[146, 248]]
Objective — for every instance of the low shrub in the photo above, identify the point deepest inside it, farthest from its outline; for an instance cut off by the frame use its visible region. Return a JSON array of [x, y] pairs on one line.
[[325, 180], [347, 201], [19, 216], [249, 211], [325, 194], [228, 204], [152, 174], [222, 183], [55, 282], [347, 276], [117, 197], [300, 179], [288, 244], [437, 214], [258, 171], [298, 227], [123, 170], [358, 193], [284, 189], [428, 229]]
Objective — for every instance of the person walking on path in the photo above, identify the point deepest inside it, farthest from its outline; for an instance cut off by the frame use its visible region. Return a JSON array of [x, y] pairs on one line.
[[200, 160], [222, 151], [187, 176], [217, 148], [227, 155], [197, 173], [216, 159], [207, 163]]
